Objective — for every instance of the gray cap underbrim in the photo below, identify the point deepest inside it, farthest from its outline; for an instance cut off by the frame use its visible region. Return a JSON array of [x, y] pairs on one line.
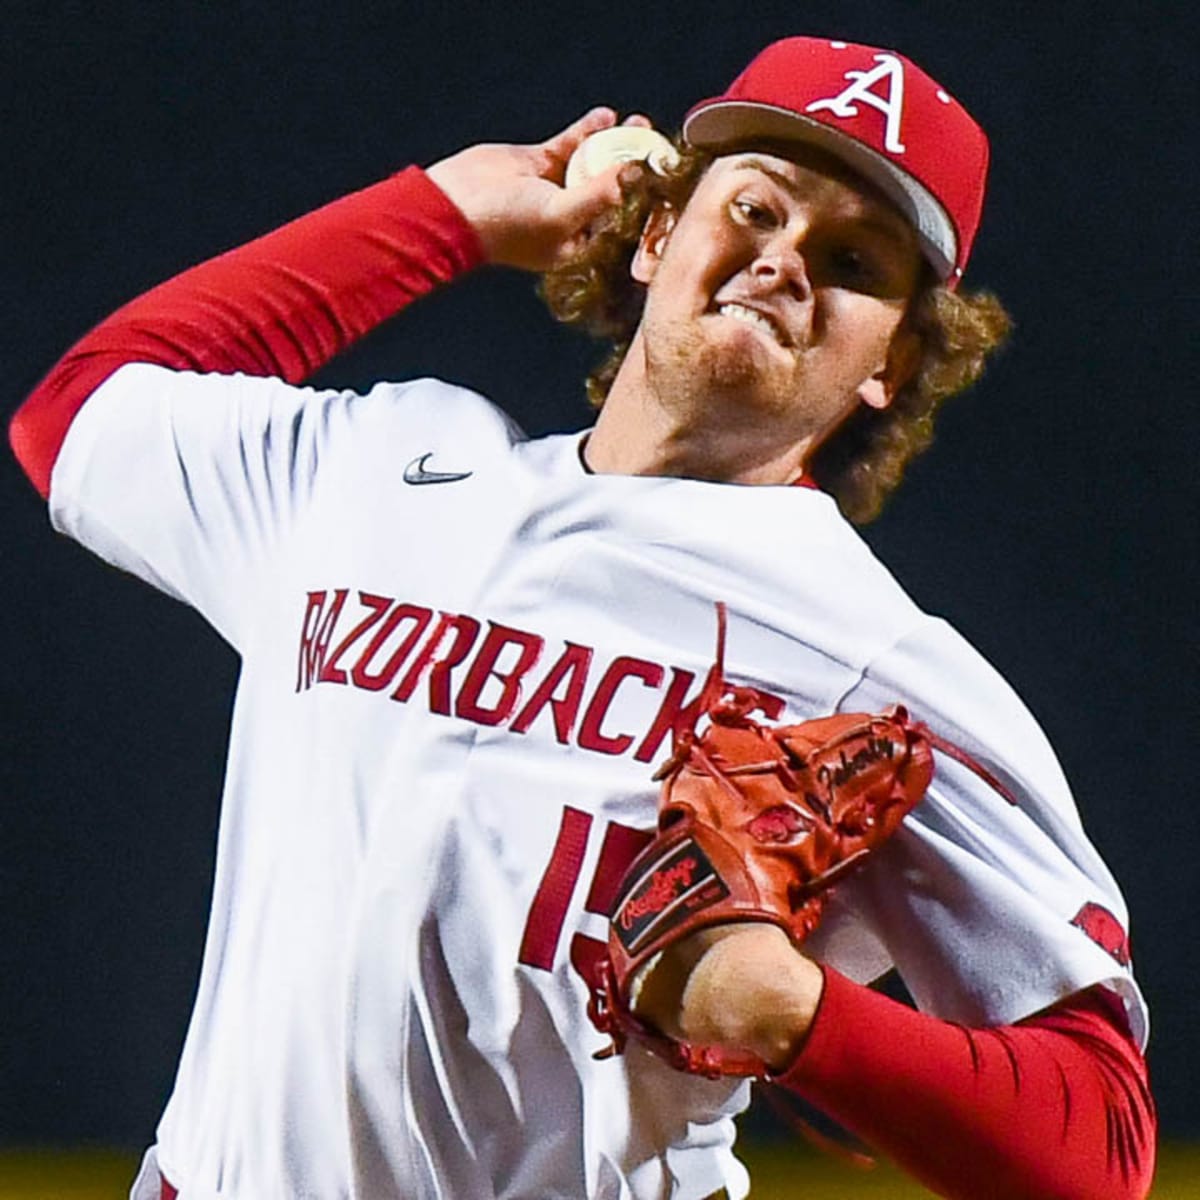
[[724, 123]]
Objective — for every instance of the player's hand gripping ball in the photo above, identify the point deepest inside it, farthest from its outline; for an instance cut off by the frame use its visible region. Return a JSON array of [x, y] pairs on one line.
[[619, 144], [756, 823]]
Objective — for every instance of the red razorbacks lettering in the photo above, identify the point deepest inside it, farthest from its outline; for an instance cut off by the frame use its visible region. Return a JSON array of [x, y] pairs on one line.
[[489, 673], [1104, 929], [663, 888]]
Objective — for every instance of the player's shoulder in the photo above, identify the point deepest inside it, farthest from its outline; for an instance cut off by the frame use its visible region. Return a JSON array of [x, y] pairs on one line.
[[835, 540], [435, 403], [302, 428], [425, 398]]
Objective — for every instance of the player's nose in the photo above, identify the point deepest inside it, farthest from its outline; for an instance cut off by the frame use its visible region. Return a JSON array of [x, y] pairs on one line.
[[782, 263]]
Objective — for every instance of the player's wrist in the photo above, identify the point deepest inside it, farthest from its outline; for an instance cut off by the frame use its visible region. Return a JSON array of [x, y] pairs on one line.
[[743, 987], [757, 993]]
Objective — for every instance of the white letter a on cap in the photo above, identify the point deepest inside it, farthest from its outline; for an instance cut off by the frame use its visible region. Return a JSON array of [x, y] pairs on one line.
[[891, 105]]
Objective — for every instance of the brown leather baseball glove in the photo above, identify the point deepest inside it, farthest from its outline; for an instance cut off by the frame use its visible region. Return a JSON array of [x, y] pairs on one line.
[[756, 823]]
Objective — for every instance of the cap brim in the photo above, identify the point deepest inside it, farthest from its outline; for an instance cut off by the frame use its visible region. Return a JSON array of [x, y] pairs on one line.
[[717, 124]]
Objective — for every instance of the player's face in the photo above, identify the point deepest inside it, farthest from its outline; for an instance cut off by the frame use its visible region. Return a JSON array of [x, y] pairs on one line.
[[779, 290]]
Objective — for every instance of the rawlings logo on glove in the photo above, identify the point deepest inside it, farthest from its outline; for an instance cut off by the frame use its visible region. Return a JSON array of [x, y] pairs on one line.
[[674, 886], [756, 823]]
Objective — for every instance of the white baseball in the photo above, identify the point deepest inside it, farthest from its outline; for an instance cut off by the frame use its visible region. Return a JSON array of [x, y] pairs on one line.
[[621, 143]]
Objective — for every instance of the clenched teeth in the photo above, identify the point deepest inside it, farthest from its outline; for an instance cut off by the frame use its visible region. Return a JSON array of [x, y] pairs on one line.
[[739, 312]]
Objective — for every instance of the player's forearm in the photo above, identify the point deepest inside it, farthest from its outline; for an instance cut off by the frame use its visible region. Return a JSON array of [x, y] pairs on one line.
[[283, 304], [1057, 1106]]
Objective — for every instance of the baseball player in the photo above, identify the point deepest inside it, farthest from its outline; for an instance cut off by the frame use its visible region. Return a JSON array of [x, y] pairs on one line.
[[465, 653]]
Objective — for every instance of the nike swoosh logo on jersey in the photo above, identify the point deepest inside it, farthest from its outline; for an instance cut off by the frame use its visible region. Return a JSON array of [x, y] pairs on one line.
[[416, 472]]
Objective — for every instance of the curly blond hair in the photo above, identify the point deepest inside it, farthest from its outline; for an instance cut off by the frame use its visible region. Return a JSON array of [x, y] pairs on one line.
[[863, 461]]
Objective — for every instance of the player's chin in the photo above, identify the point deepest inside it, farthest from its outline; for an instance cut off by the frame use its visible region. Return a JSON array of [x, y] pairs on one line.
[[758, 376], [752, 357]]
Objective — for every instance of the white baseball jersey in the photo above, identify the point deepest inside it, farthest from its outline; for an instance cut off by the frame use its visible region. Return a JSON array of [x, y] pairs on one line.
[[462, 656]]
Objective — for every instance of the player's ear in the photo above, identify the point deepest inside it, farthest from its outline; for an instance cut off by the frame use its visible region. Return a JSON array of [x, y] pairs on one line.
[[903, 358], [655, 235]]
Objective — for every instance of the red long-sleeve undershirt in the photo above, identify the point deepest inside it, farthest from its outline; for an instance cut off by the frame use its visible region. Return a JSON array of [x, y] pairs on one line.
[[1055, 1106]]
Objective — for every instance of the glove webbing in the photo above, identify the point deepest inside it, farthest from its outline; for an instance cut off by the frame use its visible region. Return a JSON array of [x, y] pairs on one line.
[[726, 704]]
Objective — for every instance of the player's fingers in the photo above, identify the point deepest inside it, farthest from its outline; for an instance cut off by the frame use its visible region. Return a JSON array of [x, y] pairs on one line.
[[638, 119], [580, 207], [562, 145], [582, 204]]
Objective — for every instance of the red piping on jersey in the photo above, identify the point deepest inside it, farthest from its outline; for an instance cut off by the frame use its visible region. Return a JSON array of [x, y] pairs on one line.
[[282, 305]]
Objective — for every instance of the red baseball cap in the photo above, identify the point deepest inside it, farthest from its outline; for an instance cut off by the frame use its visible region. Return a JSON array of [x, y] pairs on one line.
[[880, 114]]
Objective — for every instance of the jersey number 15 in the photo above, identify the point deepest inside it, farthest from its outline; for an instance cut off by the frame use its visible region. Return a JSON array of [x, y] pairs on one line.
[[543, 926]]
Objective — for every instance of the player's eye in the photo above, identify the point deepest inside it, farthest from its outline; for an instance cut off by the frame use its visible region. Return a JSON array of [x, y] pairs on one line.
[[755, 213], [853, 267]]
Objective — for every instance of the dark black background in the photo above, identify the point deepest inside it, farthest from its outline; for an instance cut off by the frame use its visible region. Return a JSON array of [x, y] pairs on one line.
[[1054, 522]]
